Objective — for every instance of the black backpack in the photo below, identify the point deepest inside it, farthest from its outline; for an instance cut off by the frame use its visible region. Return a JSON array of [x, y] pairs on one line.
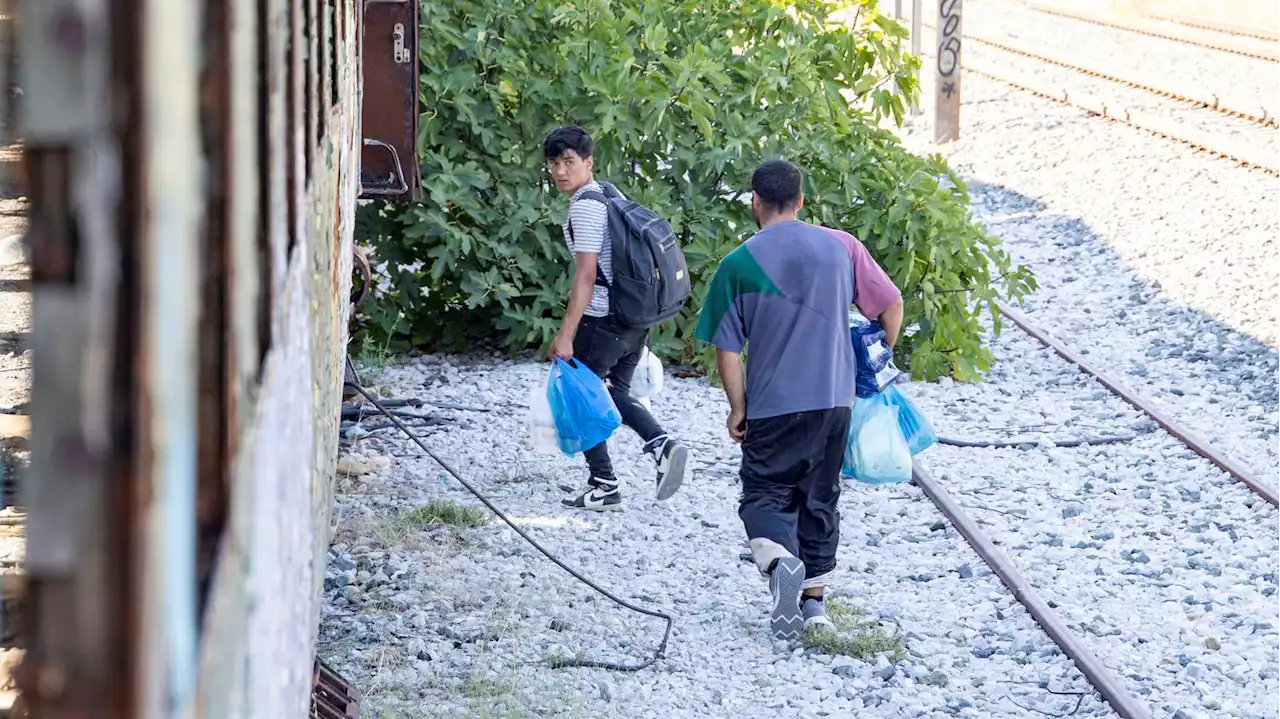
[[650, 278]]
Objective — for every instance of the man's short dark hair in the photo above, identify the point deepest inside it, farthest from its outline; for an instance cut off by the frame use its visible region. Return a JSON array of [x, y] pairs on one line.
[[569, 137], [778, 184]]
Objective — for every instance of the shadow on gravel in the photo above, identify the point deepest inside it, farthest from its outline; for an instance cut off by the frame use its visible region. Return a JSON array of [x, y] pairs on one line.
[[1000, 200], [1113, 300]]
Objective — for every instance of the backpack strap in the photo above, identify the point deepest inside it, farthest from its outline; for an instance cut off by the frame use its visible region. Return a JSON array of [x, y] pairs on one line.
[[603, 199]]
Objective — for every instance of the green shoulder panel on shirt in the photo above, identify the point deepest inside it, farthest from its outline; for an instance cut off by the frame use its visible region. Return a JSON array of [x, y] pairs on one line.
[[738, 274]]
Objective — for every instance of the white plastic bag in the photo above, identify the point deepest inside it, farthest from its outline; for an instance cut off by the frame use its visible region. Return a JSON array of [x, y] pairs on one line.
[[542, 424], [646, 383]]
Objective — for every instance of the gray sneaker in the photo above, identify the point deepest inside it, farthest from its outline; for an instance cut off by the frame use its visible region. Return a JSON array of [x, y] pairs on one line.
[[815, 613], [785, 581]]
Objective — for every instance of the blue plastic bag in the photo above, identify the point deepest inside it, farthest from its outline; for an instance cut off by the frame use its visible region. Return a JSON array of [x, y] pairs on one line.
[[876, 370], [915, 427], [876, 452], [584, 413]]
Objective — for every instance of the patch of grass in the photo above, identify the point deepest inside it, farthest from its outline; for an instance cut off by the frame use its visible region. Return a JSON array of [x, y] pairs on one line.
[[401, 531], [372, 359], [443, 511], [844, 614], [854, 635]]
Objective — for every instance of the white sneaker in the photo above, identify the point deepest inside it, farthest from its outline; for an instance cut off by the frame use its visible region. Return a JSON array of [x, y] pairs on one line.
[[596, 499]]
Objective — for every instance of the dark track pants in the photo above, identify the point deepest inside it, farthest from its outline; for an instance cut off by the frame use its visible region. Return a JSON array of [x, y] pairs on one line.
[[791, 488], [613, 353]]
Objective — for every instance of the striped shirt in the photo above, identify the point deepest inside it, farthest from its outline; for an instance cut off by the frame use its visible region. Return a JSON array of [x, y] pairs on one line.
[[591, 234]]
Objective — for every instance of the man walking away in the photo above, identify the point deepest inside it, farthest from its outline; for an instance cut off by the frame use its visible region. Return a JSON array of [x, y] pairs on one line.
[[786, 291], [592, 335]]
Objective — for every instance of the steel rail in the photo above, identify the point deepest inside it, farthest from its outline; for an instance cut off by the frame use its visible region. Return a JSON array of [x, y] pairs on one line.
[[1123, 702], [1170, 425], [1270, 55], [1243, 154], [1223, 27], [1261, 114]]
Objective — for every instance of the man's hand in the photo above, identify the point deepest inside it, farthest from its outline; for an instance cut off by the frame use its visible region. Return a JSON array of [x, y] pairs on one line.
[[737, 425], [729, 364], [561, 347]]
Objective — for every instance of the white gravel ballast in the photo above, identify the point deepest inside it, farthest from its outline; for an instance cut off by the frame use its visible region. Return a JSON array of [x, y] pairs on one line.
[[1162, 563], [442, 620], [1159, 265]]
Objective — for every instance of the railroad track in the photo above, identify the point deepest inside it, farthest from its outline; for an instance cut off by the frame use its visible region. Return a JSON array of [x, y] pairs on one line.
[[1270, 54], [1261, 115], [1103, 679], [1246, 154], [1219, 27]]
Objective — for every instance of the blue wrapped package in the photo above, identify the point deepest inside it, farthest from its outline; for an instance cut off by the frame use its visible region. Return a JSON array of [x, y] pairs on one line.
[[581, 407], [876, 451], [876, 370], [916, 428]]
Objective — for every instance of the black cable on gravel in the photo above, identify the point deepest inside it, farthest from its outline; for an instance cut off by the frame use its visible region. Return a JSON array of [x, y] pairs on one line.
[[559, 662]]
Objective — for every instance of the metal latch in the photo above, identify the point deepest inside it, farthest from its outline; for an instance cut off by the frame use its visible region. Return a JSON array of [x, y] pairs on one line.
[[399, 51]]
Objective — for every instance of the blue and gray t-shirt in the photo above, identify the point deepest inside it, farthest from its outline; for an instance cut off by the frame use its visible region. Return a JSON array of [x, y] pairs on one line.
[[786, 291]]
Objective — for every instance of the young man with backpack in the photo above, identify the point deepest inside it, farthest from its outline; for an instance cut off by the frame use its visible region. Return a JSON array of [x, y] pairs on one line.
[[629, 275], [787, 291]]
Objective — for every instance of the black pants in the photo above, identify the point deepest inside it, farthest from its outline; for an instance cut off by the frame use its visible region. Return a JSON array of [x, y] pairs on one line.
[[613, 352], [791, 487]]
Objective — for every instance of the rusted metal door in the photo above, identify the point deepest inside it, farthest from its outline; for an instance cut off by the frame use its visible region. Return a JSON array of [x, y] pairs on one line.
[[388, 161]]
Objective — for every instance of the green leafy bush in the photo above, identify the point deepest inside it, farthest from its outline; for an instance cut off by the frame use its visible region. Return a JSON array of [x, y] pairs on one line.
[[684, 98]]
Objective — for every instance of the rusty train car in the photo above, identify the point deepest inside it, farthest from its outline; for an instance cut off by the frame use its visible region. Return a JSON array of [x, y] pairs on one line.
[[193, 169]]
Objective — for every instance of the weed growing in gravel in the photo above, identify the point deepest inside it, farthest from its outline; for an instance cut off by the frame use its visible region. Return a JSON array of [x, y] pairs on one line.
[[476, 688], [373, 357], [403, 531], [381, 681], [443, 511], [854, 634]]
